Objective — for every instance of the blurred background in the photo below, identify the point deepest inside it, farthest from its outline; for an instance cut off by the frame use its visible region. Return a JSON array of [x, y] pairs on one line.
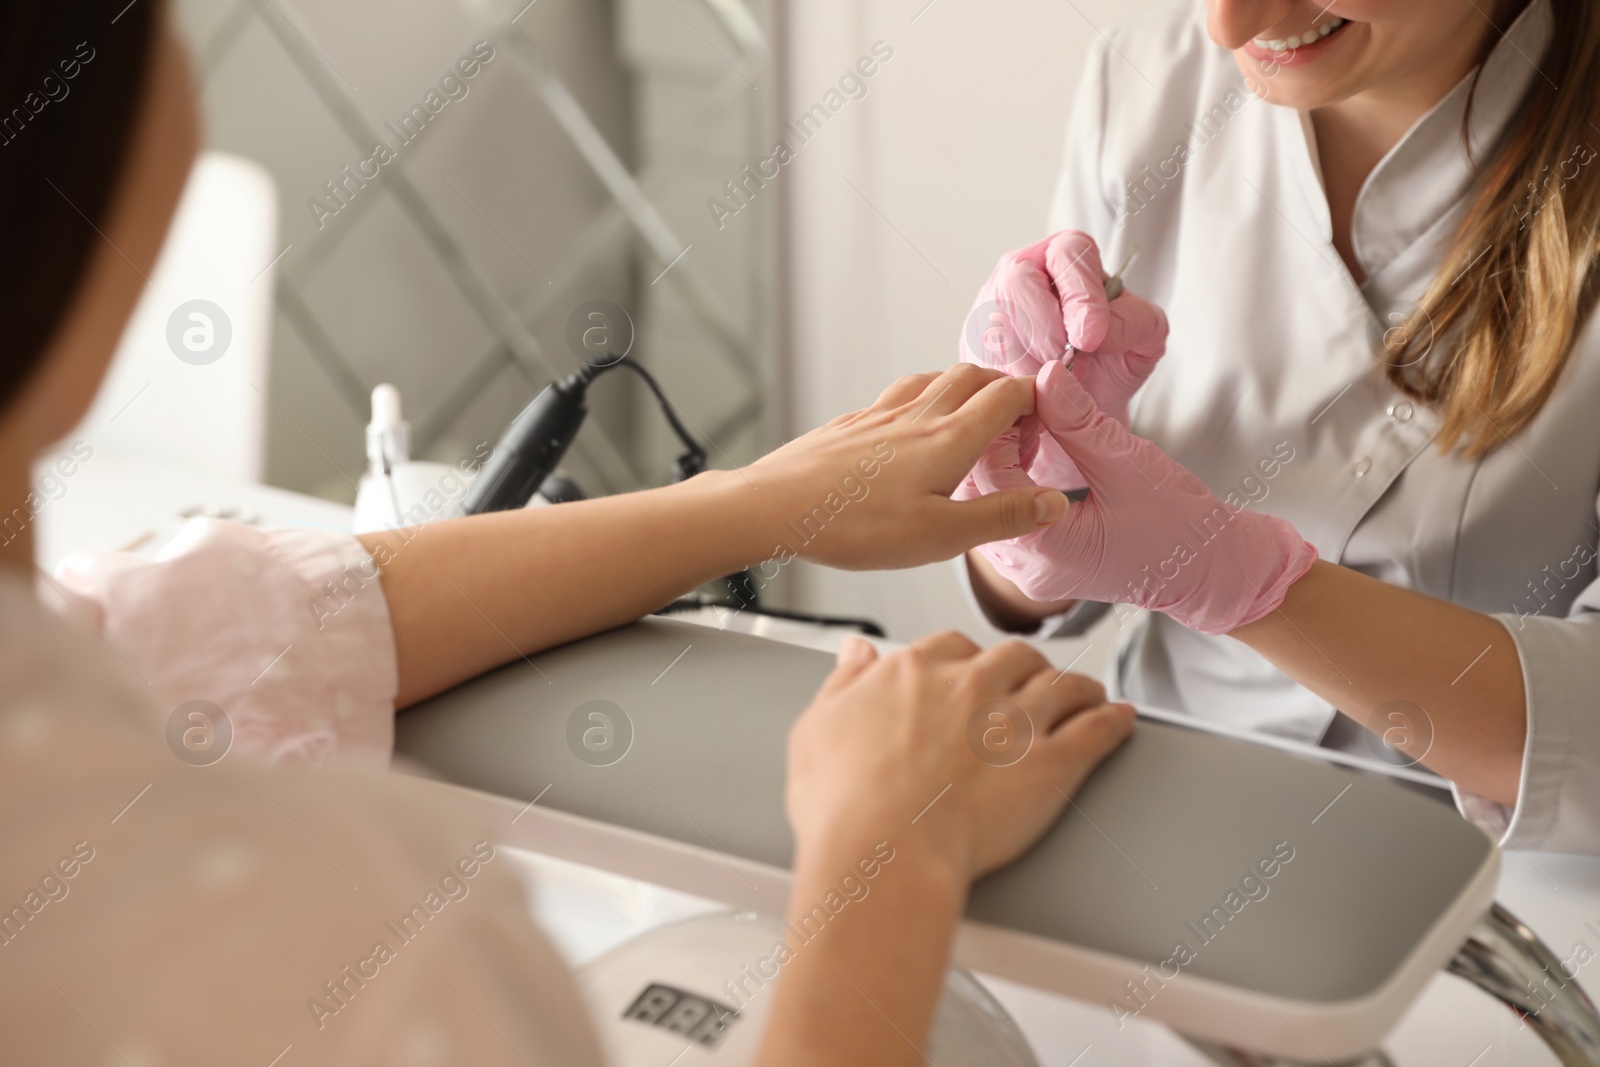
[[588, 156]]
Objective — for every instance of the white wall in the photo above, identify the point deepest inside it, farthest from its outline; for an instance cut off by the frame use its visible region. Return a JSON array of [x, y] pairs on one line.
[[364, 296], [954, 152], [382, 306]]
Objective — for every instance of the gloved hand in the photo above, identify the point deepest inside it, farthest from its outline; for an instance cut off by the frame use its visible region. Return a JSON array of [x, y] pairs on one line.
[[1042, 298], [1149, 533]]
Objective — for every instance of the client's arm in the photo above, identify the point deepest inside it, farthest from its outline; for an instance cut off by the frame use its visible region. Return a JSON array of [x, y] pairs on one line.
[[894, 811], [869, 489]]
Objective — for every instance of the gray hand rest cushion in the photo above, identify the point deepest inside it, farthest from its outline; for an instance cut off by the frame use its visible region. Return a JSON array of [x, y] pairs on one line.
[[1236, 892]]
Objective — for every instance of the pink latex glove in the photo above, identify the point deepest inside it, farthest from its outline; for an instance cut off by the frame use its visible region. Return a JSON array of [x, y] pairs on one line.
[[1149, 533], [1042, 298]]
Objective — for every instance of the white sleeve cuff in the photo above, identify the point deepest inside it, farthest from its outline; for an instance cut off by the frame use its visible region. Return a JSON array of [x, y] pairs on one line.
[[1558, 792]]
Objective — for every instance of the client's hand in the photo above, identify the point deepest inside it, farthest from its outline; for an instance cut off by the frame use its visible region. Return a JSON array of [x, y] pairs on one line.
[[871, 489], [1150, 533], [895, 813], [891, 747], [1042, 298]]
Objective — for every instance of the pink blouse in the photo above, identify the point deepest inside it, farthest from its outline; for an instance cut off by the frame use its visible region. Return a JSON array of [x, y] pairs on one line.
[[161, 906]]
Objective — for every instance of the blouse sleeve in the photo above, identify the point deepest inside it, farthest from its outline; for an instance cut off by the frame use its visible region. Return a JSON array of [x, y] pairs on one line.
[[286, 631]]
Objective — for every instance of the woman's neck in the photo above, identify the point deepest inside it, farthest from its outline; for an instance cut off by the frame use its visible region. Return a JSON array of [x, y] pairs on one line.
[[1351, 139], [1354, 134]]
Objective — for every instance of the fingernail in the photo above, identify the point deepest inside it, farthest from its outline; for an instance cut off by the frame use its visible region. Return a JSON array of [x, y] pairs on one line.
[[1049, 506], [851, 651]]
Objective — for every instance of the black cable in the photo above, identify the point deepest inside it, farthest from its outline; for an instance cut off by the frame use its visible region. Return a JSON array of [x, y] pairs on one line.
[[741, 585], [695, 450], [697, 602]]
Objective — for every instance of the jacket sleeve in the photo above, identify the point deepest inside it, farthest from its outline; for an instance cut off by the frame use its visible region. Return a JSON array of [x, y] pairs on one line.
[[286, 631], [1076, 620], [1558, 796]]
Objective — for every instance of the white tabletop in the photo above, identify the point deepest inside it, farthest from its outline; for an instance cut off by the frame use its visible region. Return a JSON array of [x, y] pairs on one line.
[[112, 503], [587, 911]]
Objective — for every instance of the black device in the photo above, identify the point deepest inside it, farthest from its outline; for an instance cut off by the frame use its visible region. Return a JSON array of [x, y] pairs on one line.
[[538, 437], [531, 447]]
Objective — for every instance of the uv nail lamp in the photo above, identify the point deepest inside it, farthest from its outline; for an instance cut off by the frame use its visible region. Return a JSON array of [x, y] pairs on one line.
[[1239, 894]]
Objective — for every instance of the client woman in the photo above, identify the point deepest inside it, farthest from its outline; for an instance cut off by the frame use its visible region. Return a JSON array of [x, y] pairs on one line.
[[157, 912]]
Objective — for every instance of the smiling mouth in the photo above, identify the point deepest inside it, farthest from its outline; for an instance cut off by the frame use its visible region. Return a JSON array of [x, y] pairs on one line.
[[1311, 36]]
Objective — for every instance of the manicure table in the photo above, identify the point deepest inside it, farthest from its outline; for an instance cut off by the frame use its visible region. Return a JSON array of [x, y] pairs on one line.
[[1268, 907]]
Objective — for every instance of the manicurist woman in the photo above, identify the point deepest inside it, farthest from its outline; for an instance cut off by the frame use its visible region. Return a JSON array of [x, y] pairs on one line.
[[1362, 490]]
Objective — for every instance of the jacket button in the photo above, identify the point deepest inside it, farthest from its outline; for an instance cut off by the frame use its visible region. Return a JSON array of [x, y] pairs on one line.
[[1362, 467], [1401, 411]]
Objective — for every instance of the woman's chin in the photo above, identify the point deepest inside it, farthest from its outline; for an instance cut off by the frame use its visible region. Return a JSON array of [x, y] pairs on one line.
[[1302, 89]]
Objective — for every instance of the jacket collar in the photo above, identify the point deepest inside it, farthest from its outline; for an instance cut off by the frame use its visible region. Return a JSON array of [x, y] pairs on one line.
[[1429, 171]]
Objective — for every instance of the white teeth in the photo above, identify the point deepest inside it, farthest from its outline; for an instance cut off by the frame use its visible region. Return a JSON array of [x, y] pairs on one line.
[[1316, 33]]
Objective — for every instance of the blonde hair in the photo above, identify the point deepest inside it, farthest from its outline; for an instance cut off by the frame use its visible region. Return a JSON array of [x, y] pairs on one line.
[[1487, 343]]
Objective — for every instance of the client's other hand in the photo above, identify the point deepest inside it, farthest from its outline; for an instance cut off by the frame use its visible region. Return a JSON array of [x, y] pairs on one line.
[[1042, 298], [883, 767], [1149, 533], [886, 749]]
